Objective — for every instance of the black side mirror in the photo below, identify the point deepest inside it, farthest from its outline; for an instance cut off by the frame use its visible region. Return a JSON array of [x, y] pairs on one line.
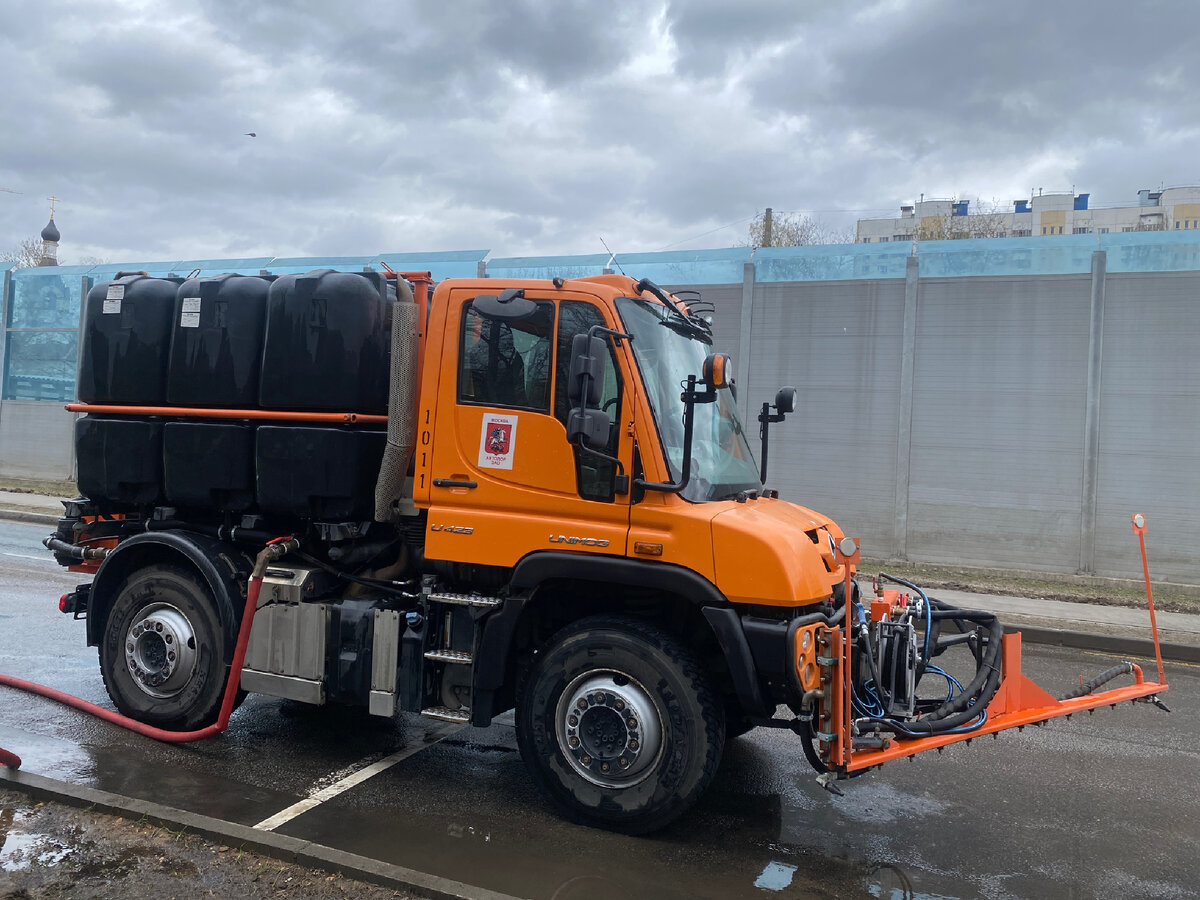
[[589, 356], [785, 402], [507, 306], [590, 426]]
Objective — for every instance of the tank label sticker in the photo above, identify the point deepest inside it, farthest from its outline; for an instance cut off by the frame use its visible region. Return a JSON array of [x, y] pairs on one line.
[[115, 292], [111, 306], [497, 441], [189, 320], [191, 304]]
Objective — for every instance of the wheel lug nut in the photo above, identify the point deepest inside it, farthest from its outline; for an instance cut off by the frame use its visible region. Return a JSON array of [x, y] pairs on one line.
[[129, 646], [573, 720], [574, 742], [158, 627], [633, 744], [622, 762], [171, 656], [168, 638], [582, 704], [632, 722], [603, 767], [585, 759]]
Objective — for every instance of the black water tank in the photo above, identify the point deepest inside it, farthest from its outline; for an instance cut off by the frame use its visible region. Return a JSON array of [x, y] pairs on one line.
[[327, 343], [119, 460], [321, 473], [216, 341], [208, 465], [126, 339]]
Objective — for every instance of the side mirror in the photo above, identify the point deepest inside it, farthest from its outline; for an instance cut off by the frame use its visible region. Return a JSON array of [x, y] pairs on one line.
[[590, 426], [589, 357], [785, 400], [507, 306]]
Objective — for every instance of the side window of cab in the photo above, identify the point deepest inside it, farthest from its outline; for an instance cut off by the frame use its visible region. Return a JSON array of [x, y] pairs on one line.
[[506, 363]]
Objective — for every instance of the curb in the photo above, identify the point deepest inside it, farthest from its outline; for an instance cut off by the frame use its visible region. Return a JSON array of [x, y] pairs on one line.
[[1109, 643], [278, 846], [10, 514]]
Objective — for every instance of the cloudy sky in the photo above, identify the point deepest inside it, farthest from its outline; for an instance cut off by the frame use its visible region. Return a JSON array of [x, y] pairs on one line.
[[532, 128]]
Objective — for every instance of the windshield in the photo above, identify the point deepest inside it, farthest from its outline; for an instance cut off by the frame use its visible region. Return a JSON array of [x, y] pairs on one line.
[[667, 350]]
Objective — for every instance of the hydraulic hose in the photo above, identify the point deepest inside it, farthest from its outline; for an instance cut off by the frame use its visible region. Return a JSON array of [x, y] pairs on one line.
[[271, 552], [1124, 668]]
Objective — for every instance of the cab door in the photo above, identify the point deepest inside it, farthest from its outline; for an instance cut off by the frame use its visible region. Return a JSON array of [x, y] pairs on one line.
[[505, 482]]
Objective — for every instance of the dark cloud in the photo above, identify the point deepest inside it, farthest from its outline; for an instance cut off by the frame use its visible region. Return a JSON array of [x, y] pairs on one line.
[[535, 128]]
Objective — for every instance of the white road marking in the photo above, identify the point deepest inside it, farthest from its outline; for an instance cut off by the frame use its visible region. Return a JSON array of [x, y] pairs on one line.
[[338, 787], [26, 556]]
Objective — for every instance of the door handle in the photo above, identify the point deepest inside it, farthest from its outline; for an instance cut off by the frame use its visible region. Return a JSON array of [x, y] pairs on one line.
[[451, 483]]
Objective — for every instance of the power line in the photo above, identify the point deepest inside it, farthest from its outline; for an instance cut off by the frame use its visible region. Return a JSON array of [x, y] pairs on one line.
[[706, 233]]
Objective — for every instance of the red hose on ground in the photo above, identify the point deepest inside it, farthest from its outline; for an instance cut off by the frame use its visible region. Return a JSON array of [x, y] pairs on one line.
[[273, 550]]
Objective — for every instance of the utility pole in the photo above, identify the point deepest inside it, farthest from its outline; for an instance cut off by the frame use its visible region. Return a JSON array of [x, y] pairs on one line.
[[767, 228]]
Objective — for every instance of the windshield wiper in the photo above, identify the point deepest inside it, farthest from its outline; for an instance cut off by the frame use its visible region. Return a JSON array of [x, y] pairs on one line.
[[697, 327], [677, 321]]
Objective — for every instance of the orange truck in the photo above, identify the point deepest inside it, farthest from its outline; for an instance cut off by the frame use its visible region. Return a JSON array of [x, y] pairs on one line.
[[494, 495]]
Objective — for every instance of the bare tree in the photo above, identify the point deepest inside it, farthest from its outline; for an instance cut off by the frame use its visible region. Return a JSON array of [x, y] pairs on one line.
[[985, 219], [771, 229], [26, 253]]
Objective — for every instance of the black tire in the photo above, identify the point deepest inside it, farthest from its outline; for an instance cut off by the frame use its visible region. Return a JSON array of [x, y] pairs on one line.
[[608, 673], [162, 610]]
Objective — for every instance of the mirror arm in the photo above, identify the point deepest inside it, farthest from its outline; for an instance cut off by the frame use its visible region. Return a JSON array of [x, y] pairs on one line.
[[765, 419], [690, 399]]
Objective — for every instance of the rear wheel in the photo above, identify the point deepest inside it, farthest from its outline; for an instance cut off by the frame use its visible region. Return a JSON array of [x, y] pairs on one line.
[[618, 725], [163, 651]]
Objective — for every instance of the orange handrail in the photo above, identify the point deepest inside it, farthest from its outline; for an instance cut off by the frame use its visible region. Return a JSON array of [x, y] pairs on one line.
[[274, 415]]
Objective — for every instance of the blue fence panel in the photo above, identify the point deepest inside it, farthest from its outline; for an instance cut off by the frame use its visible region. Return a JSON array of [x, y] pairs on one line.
[[1152, 251], [41, 340], [1067, 254], [447, 264], [830, 262], [46, 297], [719, 266], [298, 265], [40, 365], [542, 267]]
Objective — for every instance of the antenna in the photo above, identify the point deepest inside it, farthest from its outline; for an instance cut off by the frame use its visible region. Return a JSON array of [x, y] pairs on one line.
[[612, 257]]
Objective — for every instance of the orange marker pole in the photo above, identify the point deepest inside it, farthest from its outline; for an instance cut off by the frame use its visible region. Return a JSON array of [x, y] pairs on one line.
[[1139, 528]]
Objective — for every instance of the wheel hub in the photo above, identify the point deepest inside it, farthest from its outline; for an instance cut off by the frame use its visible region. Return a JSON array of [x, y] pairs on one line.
[[608, 728], [160, 650]]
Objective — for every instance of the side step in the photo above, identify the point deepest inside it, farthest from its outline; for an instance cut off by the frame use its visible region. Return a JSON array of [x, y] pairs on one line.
[[449, 656], [465, 600], [461, 716]]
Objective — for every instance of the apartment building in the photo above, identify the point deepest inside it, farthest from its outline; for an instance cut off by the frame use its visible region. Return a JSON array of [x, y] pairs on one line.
[[1043, 214]]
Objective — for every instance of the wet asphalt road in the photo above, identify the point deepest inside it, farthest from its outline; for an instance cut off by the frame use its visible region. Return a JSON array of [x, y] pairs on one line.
[[1101, 806]]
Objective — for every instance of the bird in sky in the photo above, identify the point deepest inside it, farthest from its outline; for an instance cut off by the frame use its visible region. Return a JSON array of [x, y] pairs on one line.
[[250, 134]]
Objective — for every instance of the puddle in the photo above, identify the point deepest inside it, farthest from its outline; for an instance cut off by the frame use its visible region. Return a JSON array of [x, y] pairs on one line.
[[20, 849], [776, 876]]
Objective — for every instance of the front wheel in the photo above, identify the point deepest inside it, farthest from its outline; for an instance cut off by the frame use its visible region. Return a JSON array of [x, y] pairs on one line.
[[163, 650], [619, 725]]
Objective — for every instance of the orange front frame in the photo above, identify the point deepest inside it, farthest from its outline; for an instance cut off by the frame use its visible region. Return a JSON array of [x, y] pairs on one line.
[[1019, 701]]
